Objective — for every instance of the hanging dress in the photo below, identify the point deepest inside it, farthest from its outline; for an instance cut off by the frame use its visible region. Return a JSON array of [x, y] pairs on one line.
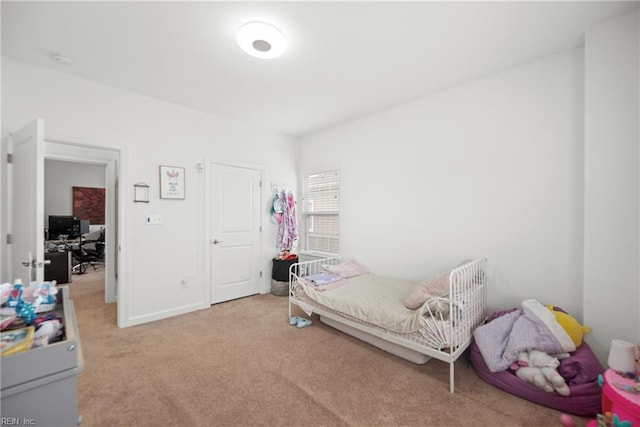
[[288, 230]]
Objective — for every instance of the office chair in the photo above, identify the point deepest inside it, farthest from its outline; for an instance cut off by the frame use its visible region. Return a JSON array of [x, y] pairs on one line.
[[81, 259], [96, 255], [86, 256]]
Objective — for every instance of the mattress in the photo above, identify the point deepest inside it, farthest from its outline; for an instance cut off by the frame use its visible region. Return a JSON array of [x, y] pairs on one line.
[[433, 333], [375, 299]]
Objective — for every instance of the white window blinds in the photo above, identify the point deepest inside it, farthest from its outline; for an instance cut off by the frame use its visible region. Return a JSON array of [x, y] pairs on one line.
[[319, 230]]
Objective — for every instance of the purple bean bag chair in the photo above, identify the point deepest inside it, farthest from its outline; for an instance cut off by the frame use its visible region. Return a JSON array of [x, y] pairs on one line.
[[580, 371]]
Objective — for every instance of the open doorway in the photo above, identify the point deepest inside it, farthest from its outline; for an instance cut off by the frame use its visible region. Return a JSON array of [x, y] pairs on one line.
[[74, 202], [94, 168]]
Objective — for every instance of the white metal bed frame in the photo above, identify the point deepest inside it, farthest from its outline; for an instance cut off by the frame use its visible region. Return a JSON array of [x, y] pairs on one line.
[[466, 280]]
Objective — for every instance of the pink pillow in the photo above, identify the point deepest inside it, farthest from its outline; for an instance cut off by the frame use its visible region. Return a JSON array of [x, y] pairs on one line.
[[428, 289], [346, 269]]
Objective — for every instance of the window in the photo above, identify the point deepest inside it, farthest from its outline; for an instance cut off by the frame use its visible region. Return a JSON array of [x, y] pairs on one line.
[[320, 214]]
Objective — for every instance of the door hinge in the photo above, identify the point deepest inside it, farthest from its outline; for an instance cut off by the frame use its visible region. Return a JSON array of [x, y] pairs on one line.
[[261, 274], [9, 158], [260, 183], [9, 239], [261, 229]]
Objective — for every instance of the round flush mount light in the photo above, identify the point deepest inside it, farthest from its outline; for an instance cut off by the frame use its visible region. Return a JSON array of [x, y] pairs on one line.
[[261, 40]]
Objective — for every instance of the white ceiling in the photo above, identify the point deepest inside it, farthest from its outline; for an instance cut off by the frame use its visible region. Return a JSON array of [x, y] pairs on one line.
[[344, 59]]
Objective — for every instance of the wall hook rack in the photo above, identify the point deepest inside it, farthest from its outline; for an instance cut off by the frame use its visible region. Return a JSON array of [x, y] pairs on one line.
[[140, 193]]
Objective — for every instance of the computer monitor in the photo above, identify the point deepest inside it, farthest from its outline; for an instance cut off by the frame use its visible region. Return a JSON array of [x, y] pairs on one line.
[[84, 226], [64, 225]]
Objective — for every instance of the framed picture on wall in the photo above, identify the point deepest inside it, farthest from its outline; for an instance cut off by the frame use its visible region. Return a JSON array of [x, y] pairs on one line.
[[171, 182], [89, 203]]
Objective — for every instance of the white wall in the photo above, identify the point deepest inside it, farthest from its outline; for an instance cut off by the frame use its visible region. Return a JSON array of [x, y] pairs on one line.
[[612, 182], [60, 178], [150, 133], [493, 168]]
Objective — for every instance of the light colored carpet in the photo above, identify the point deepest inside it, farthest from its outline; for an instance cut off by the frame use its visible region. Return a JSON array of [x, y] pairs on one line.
[[240, 364]]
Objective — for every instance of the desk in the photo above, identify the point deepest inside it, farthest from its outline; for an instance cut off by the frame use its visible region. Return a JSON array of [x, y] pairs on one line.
[[56, 242], [73, 243], [60, 267]]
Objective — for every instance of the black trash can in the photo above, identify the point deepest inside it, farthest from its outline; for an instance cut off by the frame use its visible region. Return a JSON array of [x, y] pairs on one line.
[[280, 275]]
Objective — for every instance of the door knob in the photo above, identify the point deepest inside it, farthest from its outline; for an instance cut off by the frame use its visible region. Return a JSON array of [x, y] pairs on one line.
[[216, 241]]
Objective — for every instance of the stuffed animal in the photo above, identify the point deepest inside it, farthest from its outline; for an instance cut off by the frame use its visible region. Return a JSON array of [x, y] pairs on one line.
[[573, 328], [540, 369]]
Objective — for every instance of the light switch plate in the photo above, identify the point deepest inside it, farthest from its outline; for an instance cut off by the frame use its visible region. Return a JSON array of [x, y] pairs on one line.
[[154, 219]]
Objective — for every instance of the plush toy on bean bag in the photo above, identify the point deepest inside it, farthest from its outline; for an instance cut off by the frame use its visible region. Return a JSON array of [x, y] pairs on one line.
[[574, 329], [540, 369], [580, 371]]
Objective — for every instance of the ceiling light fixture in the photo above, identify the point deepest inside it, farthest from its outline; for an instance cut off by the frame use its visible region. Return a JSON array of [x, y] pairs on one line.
[[261, 40]]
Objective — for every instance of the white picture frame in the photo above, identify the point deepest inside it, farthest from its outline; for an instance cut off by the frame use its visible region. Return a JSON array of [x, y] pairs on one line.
[[172, 182]]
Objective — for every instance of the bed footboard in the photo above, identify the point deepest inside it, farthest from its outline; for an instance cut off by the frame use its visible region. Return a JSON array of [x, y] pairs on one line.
[[306, 268], [467, 300]]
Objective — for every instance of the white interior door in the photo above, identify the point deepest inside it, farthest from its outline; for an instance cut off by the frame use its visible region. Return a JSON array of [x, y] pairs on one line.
[[235, 232], [26, 188]]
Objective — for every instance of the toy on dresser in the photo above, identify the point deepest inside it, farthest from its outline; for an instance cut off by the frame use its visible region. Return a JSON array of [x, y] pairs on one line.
[[27, 316], [620, 387], [620, 400]]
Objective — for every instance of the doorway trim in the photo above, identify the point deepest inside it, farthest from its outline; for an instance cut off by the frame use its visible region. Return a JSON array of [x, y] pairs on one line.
[[112, 160]]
